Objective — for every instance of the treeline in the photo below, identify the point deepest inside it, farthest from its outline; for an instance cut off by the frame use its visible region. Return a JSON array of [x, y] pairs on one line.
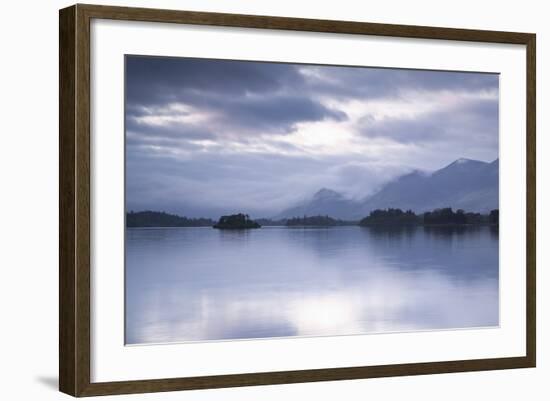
[[390, 216], [443, 216], [271, 222], [319, 221], [378, 217], [149, 218]]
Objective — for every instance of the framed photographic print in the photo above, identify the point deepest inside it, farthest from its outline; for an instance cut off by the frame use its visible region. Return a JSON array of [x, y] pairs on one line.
[[250, 200]]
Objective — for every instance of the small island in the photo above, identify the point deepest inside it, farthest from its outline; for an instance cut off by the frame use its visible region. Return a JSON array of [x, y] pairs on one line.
[[238, 221]]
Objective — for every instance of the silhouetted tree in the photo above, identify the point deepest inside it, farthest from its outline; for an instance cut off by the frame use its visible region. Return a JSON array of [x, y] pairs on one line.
[[494, 217], [320, 221], [390, 217], [445, 216], [150, 218]]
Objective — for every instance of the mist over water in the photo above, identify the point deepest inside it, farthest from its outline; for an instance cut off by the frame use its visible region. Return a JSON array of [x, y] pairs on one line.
[[201, 284]]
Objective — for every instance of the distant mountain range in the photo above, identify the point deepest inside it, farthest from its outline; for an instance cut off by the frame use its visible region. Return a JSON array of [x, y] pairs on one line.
[[466, 184], [324, 202]]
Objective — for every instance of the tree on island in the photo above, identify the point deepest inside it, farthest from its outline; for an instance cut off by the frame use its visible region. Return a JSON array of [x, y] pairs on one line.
[[390, 217], [317, 221], [445, 216], [493, 216], [271, 222], [237, 221]]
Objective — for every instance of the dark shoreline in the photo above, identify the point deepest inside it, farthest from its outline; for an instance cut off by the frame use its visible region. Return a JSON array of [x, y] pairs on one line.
[[380, 218], [347, 225]]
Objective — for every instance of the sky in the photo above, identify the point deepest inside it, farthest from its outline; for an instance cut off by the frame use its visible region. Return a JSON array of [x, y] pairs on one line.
[[210, 137]]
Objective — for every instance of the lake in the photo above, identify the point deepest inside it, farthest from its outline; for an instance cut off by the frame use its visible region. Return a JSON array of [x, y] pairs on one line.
[[203, 284]]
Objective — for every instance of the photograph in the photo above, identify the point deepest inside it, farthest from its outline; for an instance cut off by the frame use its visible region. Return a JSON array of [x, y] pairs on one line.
[[275, 200]]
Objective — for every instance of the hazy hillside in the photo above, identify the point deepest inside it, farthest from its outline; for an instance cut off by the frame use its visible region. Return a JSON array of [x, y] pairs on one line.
[[466, 184], [324, 202]]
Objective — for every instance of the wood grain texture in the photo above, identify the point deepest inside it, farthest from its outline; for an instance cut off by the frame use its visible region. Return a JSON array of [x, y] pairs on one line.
[[531, 229], [82, 211], [74, 199], [301, 376], [67, 131], [301, 24]]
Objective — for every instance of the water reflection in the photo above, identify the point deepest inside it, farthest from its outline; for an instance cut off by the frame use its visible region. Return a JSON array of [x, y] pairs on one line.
[[199, 284]]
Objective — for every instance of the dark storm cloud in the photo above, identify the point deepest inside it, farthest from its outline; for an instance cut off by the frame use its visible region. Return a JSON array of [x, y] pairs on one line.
[[254, 98], [152, 79], [244, 96], [278, 113], [455, 123], [158, 79], [376, 83]]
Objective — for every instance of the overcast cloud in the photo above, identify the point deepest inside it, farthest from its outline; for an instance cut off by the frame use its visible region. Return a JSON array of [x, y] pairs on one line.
[[210, 137]]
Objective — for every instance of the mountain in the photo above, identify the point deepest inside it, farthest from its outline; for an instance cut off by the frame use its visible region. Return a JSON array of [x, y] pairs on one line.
[[324, 202], [466, 184]]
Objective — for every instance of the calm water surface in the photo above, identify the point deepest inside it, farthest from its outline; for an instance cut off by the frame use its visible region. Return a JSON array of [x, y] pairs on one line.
[[202, 284]]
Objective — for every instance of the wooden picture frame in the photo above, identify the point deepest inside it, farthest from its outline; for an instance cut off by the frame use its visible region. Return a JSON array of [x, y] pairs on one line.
[[74, 200]]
